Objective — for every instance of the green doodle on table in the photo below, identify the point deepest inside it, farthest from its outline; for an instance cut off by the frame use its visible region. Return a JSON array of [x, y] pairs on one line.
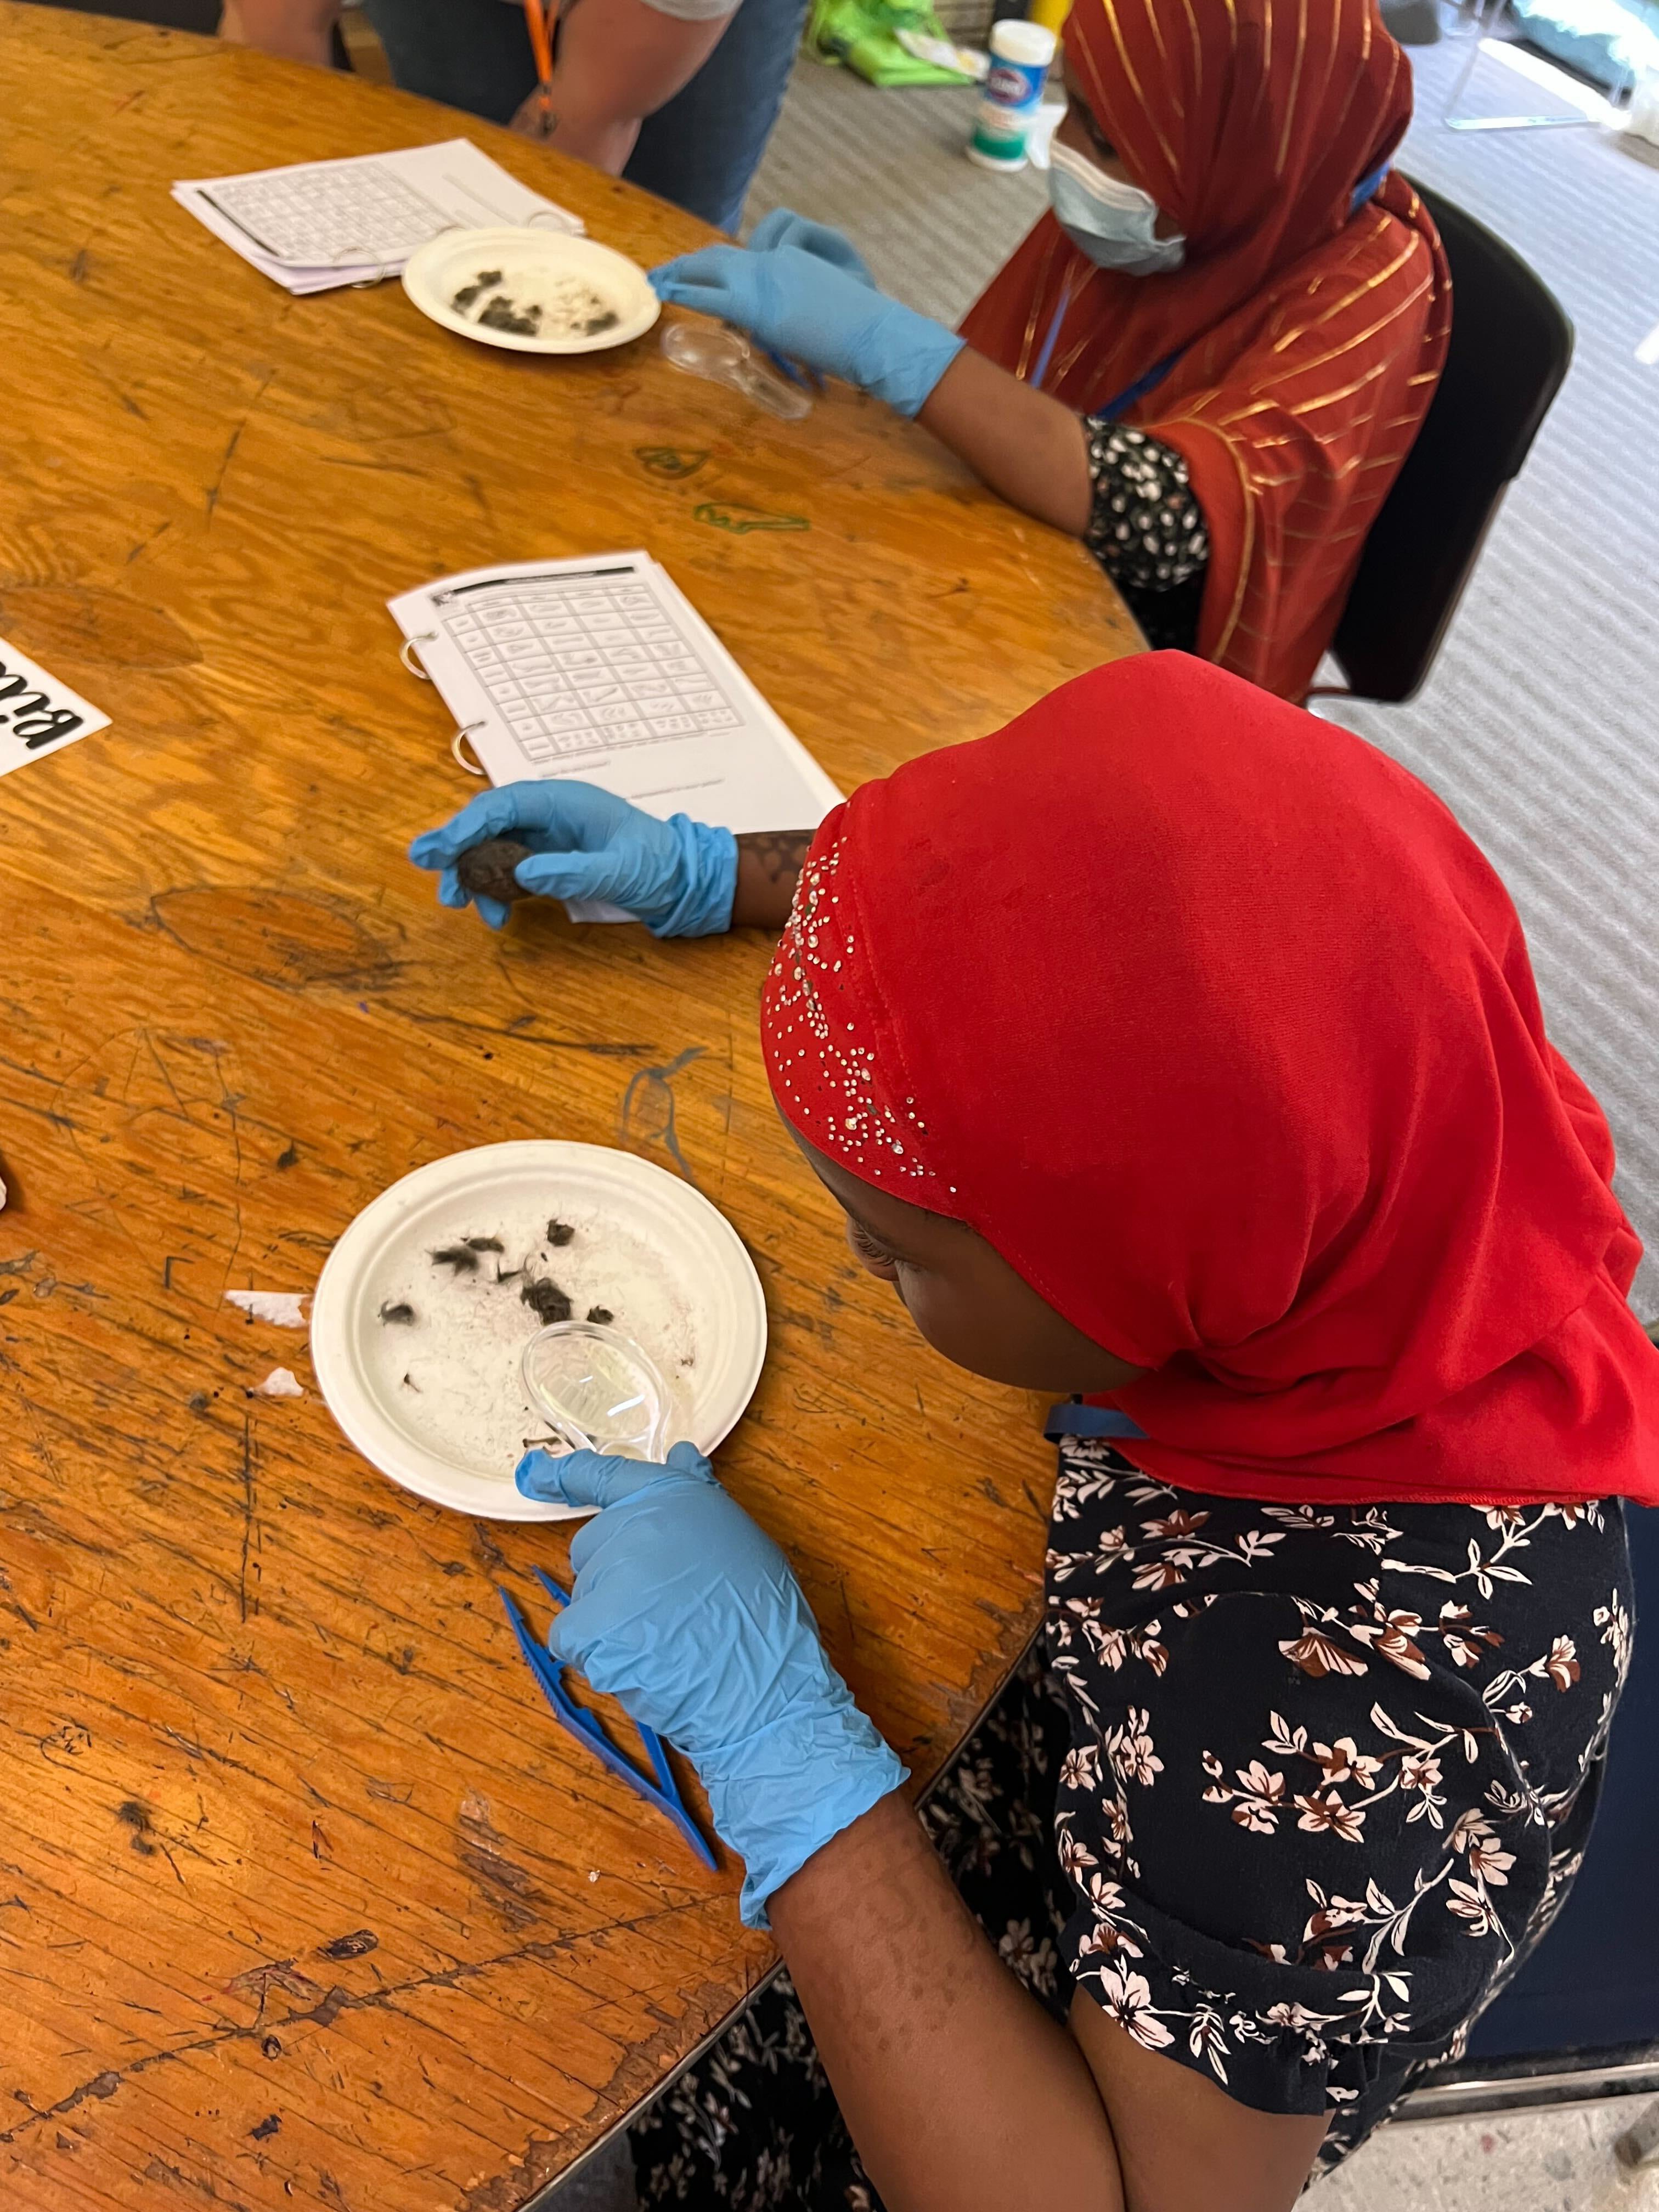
[[734, 514]]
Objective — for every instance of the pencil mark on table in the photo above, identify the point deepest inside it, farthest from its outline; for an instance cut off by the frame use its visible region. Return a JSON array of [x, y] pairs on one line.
[[507, 1888], [518, 1036], [144, 543], [218, 484], [291, 939], [258, 1982], [374, 468], [648, 1114]]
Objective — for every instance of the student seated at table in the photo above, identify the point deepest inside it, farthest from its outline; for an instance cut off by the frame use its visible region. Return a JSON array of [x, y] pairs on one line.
[[1244, 1123], [1209, 360]]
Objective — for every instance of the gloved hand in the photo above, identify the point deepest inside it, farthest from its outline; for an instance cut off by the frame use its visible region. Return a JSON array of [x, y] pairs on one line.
[[814, 301], [677, 877], [690, 1614], [783, 227]]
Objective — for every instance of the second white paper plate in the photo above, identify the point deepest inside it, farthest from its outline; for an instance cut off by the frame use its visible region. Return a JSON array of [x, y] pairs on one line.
[[542, 288]]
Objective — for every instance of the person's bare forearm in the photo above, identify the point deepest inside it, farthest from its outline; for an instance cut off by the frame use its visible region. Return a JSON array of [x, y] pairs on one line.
[[769, 862], [619, 61], [962, 2095], [295, 30], [1026, 447]]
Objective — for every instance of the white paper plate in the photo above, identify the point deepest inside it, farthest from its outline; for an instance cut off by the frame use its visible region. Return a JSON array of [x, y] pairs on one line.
[[530, 265], [435, 1401]]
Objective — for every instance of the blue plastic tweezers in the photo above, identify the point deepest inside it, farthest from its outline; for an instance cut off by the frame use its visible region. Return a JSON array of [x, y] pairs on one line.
[[663, 1792]]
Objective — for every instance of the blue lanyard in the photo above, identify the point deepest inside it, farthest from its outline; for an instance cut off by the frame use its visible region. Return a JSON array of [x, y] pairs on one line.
[[1126, 398], [1115, 410], [1074, 1418], [1367, 189]]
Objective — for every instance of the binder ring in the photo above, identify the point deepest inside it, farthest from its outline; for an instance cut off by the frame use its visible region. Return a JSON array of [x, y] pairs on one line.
[[464, 755], [414, 666], [382, 268]]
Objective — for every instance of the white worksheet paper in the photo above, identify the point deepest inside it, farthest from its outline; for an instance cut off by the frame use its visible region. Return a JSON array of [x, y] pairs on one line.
[[38, 715], [601, 669], [318, 224]]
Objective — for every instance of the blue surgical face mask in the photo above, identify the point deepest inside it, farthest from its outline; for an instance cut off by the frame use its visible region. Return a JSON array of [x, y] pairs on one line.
[[1113, 223]]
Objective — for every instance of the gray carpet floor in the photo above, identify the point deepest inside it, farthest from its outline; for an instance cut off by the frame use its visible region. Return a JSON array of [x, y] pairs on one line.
[[1538, 723]]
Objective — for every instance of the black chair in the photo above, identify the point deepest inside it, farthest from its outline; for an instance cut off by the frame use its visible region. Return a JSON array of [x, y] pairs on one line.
[[1581, 2019], [1510, 344]]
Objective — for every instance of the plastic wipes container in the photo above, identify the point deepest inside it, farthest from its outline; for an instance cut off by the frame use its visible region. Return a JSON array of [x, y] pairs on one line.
[[1020, 57]]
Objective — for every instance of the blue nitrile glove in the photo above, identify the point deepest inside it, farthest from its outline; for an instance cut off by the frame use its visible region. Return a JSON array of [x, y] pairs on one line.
[[677, 877], [818, 311], [783, 227], [691, 1615]]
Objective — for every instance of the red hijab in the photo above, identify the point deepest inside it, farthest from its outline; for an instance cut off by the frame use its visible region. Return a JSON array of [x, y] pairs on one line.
[[1310, 343], [1212, 1021]]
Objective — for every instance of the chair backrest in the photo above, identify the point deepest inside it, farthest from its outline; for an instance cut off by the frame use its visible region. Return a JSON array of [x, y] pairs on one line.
[[1510, 344]]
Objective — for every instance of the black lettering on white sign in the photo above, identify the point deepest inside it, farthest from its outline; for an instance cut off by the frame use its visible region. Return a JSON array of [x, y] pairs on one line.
[[37, 712]]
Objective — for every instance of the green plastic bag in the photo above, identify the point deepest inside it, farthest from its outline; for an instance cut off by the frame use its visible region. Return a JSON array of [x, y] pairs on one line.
[[862, 35]]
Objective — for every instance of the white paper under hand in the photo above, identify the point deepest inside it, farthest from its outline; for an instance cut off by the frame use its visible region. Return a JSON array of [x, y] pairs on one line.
[[602, 670]]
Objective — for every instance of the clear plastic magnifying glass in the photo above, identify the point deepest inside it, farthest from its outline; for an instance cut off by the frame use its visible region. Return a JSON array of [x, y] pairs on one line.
[[598, 1390], [725, 356]]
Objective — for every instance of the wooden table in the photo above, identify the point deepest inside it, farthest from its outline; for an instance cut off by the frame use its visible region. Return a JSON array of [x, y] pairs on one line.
[[303, 1899]]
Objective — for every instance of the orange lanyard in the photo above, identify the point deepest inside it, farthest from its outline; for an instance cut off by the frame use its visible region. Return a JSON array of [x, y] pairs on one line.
[[541, 45]]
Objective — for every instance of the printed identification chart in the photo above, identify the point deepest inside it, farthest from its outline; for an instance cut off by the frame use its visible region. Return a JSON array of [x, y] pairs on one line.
[[39, 714], [602, 670], [318, 224]]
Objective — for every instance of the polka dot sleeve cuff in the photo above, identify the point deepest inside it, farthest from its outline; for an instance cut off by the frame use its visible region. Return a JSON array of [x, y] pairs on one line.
[[1147, 531]]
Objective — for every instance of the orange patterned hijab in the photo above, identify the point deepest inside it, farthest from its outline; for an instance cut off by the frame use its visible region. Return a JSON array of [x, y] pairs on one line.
[[1308, 341]]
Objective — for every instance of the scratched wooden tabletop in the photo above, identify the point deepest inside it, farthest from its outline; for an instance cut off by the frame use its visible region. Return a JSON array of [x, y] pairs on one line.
[[302, 1898]]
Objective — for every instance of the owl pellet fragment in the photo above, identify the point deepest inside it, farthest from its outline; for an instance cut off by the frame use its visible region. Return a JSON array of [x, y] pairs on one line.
[[468, 293], [487, 870], [559, 1232], [603, 1315], [546, 1301], [457, 1257]]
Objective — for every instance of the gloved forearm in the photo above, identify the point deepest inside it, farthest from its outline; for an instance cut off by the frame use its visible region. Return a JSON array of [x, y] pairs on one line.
[[686, 1611], [679, 877]]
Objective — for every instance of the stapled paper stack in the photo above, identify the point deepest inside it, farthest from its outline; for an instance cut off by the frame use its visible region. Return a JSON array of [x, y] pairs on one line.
[[320, 224]]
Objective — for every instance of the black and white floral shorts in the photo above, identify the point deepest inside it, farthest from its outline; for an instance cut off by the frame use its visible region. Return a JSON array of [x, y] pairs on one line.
[[1291, 1792]]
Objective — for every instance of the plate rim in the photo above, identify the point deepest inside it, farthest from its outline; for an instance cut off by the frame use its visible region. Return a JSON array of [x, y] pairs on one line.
[[331, 1359], [440, 311]]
